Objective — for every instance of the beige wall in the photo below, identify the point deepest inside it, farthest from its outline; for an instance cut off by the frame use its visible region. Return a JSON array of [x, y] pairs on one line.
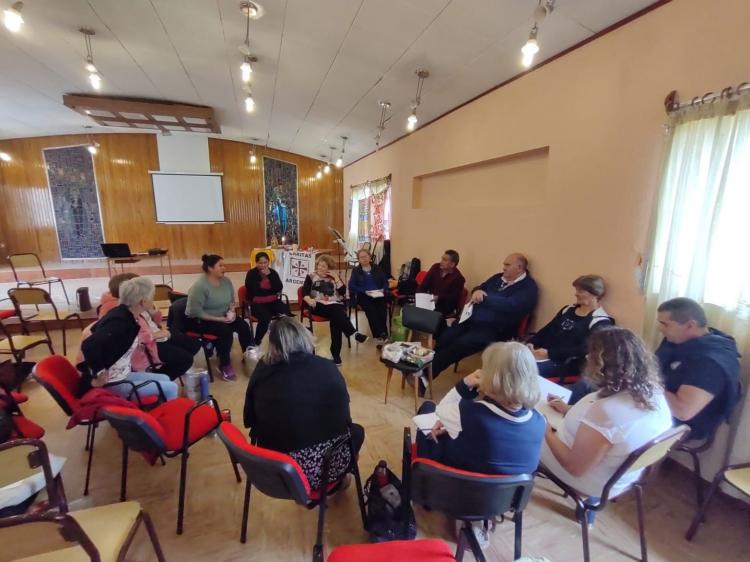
[[585, 207]]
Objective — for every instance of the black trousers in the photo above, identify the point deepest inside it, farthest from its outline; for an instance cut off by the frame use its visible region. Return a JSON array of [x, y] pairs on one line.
[[339, 322], [224, 333], [176, 355], [264, 312], [376, 313], [459, 341]]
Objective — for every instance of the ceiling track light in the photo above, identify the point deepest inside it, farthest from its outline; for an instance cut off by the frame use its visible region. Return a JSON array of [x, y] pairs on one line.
[[94, 77], [384, 107], [531, 47], [12, 18], [249, 102], [340, 159], [411, 121]]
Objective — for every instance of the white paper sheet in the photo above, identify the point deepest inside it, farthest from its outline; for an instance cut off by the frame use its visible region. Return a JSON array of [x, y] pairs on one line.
[[466, 312], [376, 294], [424, 300], [548, 387], [425, 422]]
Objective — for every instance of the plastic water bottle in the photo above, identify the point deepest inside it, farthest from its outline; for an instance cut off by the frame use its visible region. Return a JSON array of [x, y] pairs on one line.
[[204, 385]]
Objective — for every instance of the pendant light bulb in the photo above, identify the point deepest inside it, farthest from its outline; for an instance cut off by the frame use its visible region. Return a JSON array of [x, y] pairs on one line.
[[319, 175], [5, 157], [253, 158], [12, 18], [530, 49], [327, 168], [93, 148], [249, 103], [96, 81], [339, 162], [246, 70], [411, 121]]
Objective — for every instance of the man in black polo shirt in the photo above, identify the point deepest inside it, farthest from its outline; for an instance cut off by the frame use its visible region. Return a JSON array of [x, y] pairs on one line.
[[700, 365]]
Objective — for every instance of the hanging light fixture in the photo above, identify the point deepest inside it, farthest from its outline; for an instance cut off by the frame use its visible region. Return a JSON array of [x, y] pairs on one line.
[[531, 47], [5, 157], [93, 148], [249, 102], [12, 18], [411, 121], [94, 78], [340, 159], [319, 174], [246, 68], [253, 157], [327, 169], [384, 107]]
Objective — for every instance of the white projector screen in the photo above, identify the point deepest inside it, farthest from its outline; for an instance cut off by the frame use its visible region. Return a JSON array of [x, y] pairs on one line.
[[186, 198]]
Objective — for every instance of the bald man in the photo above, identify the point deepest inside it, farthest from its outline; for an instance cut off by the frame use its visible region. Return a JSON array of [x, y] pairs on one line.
[[499, 306]]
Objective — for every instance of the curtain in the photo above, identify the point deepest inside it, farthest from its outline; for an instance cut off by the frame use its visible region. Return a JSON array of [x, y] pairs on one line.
[[369, 214], [701, 225]]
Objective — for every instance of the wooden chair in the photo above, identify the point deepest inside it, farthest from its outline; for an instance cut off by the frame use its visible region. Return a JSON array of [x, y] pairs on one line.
[[36, 297], [98, 533], [32, 261], [17, 346], [644, 458]]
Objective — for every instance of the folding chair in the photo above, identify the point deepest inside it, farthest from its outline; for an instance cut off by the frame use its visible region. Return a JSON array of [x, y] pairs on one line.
[[17, 346], [643, 458], [36, 297], [33, 261], [98, 533], [279, 476]]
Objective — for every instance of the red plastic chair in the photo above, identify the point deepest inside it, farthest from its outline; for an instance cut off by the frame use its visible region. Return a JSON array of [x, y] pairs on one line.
[[306, 312], [424, 550], [466, 496], [169, 430], [62, 380], [279, 476]]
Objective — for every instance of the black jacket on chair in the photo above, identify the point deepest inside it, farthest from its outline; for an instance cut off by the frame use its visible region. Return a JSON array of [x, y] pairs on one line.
[[111, 337], [291, 406]]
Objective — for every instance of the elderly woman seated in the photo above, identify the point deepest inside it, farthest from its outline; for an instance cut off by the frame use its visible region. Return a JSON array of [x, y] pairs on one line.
[[487, 422], [297, 403], [560, 346], [109, 349]]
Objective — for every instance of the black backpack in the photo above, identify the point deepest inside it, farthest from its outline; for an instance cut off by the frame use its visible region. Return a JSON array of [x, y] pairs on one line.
[[384, 523], [407, 279]]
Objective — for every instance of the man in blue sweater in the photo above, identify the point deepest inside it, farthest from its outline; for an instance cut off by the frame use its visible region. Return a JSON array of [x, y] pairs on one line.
[[499, 305], [701, 367]]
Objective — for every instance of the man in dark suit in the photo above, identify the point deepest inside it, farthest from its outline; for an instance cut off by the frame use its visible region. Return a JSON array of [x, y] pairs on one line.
[[499, 305]]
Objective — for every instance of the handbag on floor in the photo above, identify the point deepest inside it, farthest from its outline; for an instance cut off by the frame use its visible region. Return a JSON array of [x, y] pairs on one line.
[[390, 516]]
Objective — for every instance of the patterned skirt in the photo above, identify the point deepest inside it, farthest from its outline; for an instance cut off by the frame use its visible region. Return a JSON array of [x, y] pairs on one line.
[[310, 460]]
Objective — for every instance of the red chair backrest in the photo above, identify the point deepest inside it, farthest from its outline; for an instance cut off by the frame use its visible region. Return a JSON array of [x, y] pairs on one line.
[[137, 429], [523, 327], [273, 473], [61, 379], [242, 296], [420, 277], [468, 495]]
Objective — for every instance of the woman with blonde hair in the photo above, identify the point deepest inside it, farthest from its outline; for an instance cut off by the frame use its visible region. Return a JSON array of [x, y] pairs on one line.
[[324, 293], [487, 422], [627, 409]]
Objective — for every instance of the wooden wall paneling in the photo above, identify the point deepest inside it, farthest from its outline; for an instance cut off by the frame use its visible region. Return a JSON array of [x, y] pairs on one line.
[[126, 199]]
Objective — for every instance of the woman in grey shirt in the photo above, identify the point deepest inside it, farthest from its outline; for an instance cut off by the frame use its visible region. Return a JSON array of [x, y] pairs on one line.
[[210, 309]]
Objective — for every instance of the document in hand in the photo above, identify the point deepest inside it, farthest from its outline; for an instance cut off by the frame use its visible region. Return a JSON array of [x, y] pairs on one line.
[[547, 387], [466, 312], [376, 294], [424, 300], [425, 422]]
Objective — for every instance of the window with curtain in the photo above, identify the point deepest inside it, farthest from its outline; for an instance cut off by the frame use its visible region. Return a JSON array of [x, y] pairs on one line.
[[702, 221], [369, 214]]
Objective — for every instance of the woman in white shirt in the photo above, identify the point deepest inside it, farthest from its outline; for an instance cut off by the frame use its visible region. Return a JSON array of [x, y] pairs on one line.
[[627, 410]]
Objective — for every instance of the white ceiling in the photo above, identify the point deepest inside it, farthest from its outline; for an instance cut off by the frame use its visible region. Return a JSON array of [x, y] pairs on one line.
[[323, 64]]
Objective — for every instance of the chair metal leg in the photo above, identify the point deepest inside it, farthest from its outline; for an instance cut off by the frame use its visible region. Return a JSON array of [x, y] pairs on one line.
[[65, 339], [318, 548], [641, 521], [64, 291], [460, 545], [476, 550], [583, 520], [183, 481], [245, 511], [208, 363], [700, 514], [153, 536], [697, 477], [91, 456], [88, 438], [234, 466], [518, 538], [360, 494], [124, 476]]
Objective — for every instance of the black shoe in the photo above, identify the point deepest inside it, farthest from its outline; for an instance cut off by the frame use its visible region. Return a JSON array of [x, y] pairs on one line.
[[337, 361], [361, 338]]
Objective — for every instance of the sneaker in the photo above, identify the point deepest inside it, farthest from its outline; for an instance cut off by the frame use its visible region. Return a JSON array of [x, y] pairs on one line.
[[337, 361], [361, 338], [227, 373]]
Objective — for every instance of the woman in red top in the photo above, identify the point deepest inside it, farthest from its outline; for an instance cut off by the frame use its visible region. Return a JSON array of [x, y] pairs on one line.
[[263, 286]]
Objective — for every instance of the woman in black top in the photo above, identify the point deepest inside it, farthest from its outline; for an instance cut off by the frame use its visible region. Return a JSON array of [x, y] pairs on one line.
[[368, 287], [297, 402], [560, 346], [324, 293], [263, 287]]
